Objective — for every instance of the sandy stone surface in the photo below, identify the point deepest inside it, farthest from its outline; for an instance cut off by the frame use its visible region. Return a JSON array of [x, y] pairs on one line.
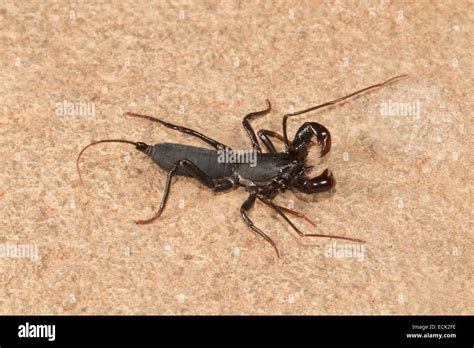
[[402, 156]]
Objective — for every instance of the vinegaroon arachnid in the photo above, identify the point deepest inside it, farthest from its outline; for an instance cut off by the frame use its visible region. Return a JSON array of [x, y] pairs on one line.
[[274, 171]]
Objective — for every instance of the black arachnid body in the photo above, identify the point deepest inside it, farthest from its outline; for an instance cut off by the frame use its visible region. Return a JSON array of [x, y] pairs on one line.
[[271, 173]]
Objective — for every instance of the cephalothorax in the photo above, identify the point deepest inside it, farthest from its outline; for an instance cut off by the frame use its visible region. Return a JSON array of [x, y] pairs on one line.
[[272, 173]]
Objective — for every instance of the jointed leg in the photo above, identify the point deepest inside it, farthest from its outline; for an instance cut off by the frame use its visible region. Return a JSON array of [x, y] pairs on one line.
[[264, 135], [249, 129], [195, 172], [243, 211], [301, 234], [215, 144], [289, 211]]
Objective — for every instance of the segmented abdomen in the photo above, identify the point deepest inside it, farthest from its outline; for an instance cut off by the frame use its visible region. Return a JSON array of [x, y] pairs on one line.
[[166, 154]]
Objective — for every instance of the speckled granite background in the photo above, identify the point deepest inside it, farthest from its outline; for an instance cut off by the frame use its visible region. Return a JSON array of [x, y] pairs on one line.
[[404, 175]]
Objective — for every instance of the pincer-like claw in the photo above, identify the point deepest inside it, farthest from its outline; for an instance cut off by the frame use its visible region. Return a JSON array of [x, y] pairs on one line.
[[304, 137], [324, 140]]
